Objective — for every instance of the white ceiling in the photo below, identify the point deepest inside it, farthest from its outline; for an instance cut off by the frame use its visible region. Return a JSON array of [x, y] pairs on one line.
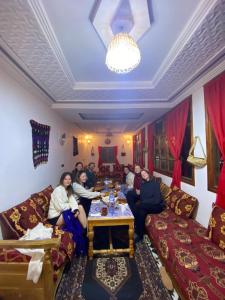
[[56, 45]]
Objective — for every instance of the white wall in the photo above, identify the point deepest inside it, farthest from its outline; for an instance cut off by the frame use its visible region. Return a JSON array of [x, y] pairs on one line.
[[18, 178], [200, 190], [99, 140]]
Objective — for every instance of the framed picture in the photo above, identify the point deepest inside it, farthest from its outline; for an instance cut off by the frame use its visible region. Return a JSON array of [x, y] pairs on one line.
[[75, 146]]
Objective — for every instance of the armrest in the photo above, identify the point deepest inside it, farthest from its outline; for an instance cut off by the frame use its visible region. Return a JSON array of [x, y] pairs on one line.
[[35, 244]]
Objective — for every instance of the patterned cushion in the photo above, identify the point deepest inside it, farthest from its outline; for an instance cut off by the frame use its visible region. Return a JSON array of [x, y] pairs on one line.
[[12, 255], [196, 264], [165, 190], [21, 217], [185, 206], [217, 227], [42, 200], [181, 203]]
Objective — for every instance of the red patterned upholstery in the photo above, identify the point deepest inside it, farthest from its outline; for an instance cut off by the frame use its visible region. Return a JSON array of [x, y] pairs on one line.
[[193, 260], [27, 215], [217, 227]]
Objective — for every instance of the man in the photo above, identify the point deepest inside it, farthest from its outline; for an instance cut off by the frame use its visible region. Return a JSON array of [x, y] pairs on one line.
[[134, 195], [91, 181], [151, 202]]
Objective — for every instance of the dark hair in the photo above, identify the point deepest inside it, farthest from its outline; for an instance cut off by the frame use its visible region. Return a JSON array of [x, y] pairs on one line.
[[126, 167], [79, 163], [77, 179], [69, 189]]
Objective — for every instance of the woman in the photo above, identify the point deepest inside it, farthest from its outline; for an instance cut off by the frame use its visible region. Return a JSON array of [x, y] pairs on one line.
[[85, 195], [150, 202], [134, 195], [63, 199], [78, 167], [129, 181]]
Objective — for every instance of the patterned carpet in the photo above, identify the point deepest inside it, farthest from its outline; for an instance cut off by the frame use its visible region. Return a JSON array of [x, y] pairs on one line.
[[115, 278]]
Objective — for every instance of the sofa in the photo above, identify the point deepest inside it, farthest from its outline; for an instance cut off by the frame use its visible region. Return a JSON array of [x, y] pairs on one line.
[[193, 256], [13, 265]]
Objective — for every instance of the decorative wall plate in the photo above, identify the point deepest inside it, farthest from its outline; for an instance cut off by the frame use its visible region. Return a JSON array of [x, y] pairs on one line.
[[107, 141]]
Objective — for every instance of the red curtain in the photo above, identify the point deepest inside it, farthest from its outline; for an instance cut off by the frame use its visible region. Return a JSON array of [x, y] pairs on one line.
[[142, 154], [175, 124], [214, 92], [134, 149], [99, 156], [116, 153], [150, 148]]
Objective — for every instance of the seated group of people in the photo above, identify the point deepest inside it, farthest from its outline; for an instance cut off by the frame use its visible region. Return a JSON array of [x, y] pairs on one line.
[[76, 191]]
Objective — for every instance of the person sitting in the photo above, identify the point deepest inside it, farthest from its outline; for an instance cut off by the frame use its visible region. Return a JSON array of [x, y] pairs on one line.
[[129, 183], [78, 167], [91, 177], [134, 195], [62, 199], [151, 202], [85, 195]]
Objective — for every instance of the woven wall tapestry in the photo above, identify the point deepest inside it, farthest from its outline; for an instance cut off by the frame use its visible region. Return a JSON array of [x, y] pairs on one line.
[[40, 139]]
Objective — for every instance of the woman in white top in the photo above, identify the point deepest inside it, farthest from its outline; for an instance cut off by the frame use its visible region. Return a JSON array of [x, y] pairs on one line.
[[63, 198], [85, 195], [129, 178]]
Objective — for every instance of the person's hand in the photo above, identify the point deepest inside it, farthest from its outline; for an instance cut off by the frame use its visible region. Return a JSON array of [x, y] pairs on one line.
[[76, 213], [102, 194], [138, 192], [91, 189]]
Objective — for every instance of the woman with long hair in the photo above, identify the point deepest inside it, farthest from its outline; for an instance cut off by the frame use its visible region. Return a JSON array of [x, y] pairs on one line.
[[78, 167], [84, 195], [63, 199], [151, 202]]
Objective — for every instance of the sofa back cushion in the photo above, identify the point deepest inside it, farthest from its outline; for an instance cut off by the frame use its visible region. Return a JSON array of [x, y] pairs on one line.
[[165, 190], [42, 201], [217, 227], [16, 220], [181, 203]]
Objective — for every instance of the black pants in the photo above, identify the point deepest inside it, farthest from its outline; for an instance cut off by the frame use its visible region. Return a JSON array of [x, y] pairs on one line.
[[140, 214], [132, 198], [86, 203]]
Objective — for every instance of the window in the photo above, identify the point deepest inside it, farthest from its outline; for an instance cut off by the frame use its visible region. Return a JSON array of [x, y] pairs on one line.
[[163, 160], [108, 155], [214, 161]]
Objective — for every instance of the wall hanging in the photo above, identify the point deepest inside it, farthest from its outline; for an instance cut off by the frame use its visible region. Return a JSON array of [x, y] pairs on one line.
[[40, 142], [123, 152], [62, 139], [75, 146], [92, 151]]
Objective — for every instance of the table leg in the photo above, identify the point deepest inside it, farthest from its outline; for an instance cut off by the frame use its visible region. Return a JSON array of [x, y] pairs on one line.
[[90, 241], [131, 239]]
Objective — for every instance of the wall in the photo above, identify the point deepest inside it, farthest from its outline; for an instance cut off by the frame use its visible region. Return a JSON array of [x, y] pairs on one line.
[[99, 140], [200, 190], [18, 178]]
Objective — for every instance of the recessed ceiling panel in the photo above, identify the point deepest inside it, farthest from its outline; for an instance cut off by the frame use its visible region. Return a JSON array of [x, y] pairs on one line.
[[109, 116]]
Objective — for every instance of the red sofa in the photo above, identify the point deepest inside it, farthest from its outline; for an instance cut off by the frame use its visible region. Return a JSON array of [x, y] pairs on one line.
[[14, 223], [193, 256]]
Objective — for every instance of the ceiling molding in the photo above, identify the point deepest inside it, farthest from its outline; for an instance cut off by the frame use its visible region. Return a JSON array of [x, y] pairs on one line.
[[113, 85], [46, 27], [198, 16]]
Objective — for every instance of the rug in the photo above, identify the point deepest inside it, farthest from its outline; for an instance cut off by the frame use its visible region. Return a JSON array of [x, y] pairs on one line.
[[115, 278]]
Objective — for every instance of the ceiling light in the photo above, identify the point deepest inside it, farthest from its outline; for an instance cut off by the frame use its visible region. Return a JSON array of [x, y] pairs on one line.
[[123, 54]]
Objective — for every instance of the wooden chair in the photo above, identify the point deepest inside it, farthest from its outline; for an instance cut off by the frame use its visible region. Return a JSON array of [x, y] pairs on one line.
[[13, 283]]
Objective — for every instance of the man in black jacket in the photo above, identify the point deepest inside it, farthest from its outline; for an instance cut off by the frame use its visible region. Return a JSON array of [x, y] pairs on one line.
[[151, 202], [91, 181]]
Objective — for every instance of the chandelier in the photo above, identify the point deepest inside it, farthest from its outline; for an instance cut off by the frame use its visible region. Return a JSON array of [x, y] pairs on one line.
[[123, 54]]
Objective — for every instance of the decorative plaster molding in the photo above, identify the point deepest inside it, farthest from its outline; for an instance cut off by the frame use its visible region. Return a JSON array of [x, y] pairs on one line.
[[113, 85]]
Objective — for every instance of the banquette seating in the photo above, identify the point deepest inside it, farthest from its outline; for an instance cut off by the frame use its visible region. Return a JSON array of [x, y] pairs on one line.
[[13, 265], [193, 256]]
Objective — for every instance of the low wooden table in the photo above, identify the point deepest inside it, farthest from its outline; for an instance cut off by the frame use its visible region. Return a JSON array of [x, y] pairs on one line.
[[117, 219]]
